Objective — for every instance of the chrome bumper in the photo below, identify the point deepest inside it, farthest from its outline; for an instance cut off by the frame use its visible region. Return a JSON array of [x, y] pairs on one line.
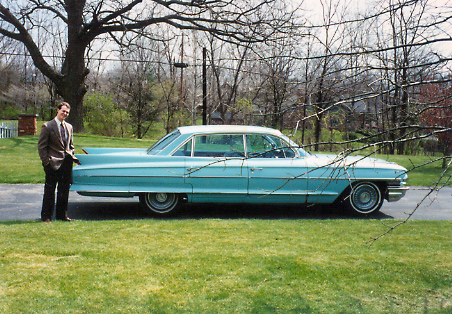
[[395, 193]]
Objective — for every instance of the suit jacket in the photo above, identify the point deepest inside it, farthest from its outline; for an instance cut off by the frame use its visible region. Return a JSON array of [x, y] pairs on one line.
[[50, 145]]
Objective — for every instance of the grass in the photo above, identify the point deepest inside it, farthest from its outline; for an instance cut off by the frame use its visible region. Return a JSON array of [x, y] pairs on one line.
[[218, 265], [422, 171], [225, 266], [20, 163]]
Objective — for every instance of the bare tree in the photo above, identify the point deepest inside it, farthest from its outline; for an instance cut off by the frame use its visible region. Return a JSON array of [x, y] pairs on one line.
[[400, 62], [85, 21], [135, 86], [331, 43], [227, 63], [167, 90], [276, 86]]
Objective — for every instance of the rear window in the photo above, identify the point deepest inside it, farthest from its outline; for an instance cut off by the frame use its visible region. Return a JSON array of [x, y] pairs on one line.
[[163, 142]]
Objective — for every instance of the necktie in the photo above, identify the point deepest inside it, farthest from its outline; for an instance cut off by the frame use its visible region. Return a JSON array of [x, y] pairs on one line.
[[63, 134]]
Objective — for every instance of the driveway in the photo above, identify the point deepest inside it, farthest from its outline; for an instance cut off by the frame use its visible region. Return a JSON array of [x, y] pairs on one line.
[[23, 202]]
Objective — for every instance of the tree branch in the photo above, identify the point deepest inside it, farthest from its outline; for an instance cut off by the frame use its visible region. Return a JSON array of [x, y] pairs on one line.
[[24, 37]]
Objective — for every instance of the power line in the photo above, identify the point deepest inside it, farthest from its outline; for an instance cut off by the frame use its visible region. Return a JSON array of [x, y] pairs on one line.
[[131, 60], [17, 54]]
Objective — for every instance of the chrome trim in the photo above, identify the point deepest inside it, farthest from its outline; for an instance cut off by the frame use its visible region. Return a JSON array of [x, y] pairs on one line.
[[321, 193], [351, 178], [125, 176], [395, 193]]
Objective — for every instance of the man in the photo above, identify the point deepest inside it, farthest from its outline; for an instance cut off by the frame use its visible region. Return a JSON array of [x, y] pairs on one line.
[[56, 150]]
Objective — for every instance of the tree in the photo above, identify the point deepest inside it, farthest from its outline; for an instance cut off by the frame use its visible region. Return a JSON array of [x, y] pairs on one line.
[[226, 85], [166, 88], [135, 87], [85, 21], [437, 113], [400, 62], [331, 42], [102, 115], [277, 70]]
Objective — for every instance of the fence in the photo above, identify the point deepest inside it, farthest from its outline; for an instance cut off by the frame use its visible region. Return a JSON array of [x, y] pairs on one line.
[[8, 129]]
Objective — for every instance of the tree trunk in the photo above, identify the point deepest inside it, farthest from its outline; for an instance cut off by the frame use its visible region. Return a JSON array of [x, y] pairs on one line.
[[276, 116], [318, 131], [71, 86], [401, 149], [75, 100], [446, 152], [319, 115]]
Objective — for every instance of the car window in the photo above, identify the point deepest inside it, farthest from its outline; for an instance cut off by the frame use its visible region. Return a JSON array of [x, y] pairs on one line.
[[184, 150], [164, 142], [267, 146], [219, 145]]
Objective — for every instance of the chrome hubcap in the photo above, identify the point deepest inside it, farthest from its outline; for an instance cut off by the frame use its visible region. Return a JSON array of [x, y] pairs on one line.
[[161, 197], [365, 197]]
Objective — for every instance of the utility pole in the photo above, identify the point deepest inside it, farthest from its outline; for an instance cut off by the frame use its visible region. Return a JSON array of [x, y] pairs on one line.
[[204, 86]]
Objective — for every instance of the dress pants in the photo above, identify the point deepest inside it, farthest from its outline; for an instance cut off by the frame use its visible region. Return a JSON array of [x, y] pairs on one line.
[[61, 177]]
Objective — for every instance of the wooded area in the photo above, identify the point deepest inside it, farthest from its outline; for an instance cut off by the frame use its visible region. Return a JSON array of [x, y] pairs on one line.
[[333, 72]]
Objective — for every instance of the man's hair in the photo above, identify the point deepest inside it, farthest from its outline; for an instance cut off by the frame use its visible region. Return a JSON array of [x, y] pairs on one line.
[[64, 104]]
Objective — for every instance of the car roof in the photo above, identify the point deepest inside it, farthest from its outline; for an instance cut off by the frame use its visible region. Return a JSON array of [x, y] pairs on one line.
[[227, 129]]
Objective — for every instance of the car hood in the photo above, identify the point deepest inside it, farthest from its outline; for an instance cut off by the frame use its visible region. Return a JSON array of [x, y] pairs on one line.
[[356, 161]]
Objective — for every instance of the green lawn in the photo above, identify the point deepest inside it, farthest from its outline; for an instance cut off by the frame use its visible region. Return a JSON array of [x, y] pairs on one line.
[[219, 265], [225, 266]]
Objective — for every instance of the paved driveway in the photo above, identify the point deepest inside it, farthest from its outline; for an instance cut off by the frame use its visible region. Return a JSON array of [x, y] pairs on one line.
[[23, 202]]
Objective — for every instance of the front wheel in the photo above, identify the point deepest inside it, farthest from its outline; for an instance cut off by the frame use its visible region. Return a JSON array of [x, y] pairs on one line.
[[159, 204], [365, 198]]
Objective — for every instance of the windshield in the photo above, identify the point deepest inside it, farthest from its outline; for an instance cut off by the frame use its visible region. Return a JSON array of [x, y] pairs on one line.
[[294, 145], [163, 142]]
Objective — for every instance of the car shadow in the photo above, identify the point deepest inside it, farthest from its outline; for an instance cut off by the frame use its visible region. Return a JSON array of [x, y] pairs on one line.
[[119, 210]]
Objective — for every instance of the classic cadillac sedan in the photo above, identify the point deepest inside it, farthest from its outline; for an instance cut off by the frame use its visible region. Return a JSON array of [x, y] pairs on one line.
[[236, 164]]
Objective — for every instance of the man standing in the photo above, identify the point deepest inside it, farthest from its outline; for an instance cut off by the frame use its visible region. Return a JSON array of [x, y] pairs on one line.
[[56, 150]]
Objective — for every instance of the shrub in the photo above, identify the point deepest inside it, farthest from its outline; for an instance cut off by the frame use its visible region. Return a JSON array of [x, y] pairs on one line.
[[103, 117]]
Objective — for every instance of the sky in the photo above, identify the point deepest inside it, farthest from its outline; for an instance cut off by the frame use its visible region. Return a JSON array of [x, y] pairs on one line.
[[441, 9]]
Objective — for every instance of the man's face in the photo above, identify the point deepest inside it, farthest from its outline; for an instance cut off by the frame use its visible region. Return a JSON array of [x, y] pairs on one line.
[[63, 113]]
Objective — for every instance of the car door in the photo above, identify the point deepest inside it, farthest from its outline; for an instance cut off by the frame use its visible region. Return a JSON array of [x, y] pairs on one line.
[[328, 177], [276, 173], [217, 168]]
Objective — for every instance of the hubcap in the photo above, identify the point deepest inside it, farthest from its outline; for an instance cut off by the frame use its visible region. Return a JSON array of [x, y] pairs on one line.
[[365, 197], [160, 203], [161, 197]]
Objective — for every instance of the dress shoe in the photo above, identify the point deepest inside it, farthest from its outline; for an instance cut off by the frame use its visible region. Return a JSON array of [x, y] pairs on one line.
[[66, 219]]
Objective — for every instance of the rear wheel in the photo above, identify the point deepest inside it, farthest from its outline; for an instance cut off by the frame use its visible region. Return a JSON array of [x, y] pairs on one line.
[[365, 198], [159, 204]]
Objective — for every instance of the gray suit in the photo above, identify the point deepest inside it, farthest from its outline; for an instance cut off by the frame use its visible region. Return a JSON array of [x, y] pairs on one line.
[[57, 159]]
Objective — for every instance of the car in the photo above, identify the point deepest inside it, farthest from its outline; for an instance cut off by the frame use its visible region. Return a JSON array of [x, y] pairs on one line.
[[236, 164]]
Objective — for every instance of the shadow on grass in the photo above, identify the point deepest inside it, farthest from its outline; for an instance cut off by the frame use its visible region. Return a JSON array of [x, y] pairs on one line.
[[132, 210]]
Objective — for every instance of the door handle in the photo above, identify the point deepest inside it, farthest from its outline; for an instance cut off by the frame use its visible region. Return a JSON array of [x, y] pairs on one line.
[[192, 169], [252, 169]]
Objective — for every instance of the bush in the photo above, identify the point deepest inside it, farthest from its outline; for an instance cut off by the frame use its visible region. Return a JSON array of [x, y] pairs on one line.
[[8, 111], [350, 136], [103, 117]]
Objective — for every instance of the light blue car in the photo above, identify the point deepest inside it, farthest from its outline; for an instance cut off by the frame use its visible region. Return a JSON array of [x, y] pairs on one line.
[[236, 164]]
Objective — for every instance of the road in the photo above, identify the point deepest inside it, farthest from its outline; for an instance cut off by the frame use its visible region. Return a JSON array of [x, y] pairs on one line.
[[23, 202]]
